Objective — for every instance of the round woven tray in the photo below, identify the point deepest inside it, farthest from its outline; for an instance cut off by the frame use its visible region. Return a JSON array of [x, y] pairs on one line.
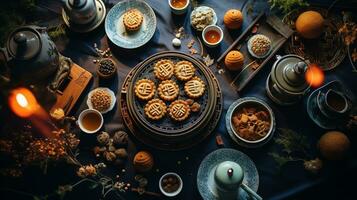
[[328, 51], [167, 134]]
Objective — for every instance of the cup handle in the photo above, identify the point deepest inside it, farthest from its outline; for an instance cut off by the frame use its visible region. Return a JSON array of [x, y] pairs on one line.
[[251, 192]]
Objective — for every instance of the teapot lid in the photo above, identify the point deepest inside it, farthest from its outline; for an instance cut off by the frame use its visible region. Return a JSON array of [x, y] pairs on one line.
[[289, 72], [24, 43], [228, 175]]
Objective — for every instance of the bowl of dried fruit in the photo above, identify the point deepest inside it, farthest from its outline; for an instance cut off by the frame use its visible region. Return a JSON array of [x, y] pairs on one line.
[[106, 68], [250, 122], [170, 184]]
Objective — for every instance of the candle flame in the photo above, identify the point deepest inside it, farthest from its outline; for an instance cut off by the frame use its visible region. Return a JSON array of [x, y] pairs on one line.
[[314, 76], [21, 99], [22, 102]]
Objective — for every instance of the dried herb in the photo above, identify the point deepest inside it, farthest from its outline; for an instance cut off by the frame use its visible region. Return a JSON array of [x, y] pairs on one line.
[[287, 5], [295, 147], [57, 32]]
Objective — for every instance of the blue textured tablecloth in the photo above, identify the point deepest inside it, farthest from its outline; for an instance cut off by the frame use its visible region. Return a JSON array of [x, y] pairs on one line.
[[273, 184]]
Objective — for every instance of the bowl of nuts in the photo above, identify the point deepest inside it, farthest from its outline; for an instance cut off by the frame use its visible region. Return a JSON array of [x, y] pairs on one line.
[[259, 46], [106, 68], [170, 184], [250, 122], [101, 99]]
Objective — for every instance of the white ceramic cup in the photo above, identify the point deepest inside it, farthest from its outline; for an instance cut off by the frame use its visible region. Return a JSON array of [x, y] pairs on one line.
[[179, 11], [171, 194], [80, 120], [210, 28]]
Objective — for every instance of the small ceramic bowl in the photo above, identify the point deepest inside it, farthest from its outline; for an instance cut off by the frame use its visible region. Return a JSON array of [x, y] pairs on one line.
[[80, 121], [179, 11], [106, 76], [250, 41], [240, 104], [212, 28], [203, 9], [112, 103], [171, 194]]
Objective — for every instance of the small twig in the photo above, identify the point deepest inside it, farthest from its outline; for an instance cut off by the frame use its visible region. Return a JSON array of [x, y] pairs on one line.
[[146, 192]]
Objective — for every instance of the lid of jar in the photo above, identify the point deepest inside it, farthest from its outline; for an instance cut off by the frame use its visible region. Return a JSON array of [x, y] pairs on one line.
[[228, 175], [289, 73], [24, 43]]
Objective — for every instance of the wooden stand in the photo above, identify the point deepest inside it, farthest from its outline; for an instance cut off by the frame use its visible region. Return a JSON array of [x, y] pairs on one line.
[[72, 88]]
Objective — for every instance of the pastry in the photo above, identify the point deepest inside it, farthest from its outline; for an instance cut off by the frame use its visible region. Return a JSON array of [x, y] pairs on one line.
[[155, 109], [195, 87], [164, 69], [57, 114], [144, 89], [168, 90], [143, 161], [179, 110], [234, 60], [195, 107], [233, 19], [184, 70], [132, 19]]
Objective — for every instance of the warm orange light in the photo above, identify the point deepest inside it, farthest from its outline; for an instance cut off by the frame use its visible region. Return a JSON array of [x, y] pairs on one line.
[[22, 102], [314, 76]]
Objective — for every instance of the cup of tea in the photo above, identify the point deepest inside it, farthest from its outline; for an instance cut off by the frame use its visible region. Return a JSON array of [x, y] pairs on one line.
[[90, 121], [179, 7], [333, 104], [212, 35]]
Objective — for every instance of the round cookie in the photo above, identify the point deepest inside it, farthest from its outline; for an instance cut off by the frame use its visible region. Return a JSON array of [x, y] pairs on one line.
[[195, 87], [168, 90], [155, 109], [184, 70], [144, 89], [179, 110], [132, 19], [164, 69]]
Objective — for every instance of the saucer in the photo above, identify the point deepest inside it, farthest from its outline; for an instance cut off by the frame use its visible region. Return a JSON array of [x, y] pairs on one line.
[[205, 176], [315, 113], [116, 31], [84, 28]]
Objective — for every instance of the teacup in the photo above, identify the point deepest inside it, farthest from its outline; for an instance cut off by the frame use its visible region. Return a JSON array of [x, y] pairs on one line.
[[90, 121], [333, 104], [179, 7], [212, 35]]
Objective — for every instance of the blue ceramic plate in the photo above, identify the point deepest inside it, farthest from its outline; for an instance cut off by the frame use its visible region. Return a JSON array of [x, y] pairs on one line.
[[205, 175], [115, 29]]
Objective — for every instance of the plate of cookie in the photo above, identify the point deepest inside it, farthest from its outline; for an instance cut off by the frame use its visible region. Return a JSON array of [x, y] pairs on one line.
[[130, 24], [171, 97]]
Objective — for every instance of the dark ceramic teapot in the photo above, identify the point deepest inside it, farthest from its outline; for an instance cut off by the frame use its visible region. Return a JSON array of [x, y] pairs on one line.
[[30, 55]]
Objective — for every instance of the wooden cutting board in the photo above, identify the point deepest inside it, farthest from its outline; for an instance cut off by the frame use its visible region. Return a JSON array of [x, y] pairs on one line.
[[72, 88]]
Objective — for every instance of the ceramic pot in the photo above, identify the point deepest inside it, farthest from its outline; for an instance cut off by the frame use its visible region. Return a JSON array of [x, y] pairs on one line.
[[30, 54], [228, 178], [286, 83], [80, 11]]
